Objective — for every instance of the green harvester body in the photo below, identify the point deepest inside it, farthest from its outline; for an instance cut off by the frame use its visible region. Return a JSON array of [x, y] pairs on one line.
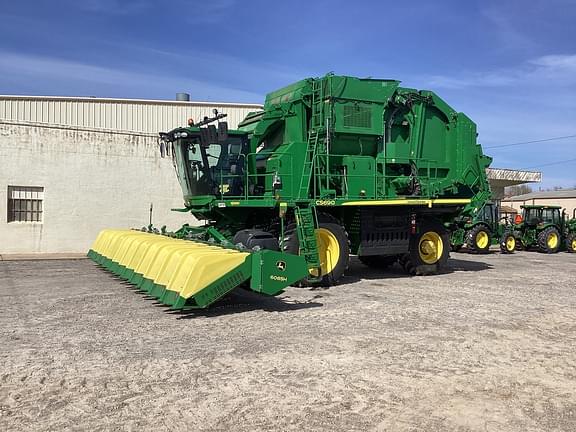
[[330, 167]]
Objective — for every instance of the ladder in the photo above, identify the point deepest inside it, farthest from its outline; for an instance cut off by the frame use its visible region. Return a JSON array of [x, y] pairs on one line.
[[313, 139], [314, 136], [317, 120], [307, 238]]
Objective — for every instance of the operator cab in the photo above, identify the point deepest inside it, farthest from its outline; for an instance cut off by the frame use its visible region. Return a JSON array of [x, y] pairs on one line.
[[209, 161], [535, 215]]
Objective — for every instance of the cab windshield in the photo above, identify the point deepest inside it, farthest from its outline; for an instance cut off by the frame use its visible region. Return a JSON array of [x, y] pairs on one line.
[[541, 215], [216, 169]]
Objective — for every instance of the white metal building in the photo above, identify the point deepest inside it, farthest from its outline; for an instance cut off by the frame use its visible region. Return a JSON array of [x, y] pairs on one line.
[[565, 198], [72, 166], [501, 178], [136, 115]]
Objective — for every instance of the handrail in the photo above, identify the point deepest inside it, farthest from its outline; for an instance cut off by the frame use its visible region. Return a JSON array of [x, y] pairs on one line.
[[377, 178], [246, 178]]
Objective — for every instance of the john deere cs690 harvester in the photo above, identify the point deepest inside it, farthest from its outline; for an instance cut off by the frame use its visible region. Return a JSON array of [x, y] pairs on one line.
[[331, 167]]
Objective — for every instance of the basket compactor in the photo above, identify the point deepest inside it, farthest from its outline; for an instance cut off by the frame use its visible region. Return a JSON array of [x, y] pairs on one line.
[[331, 166]]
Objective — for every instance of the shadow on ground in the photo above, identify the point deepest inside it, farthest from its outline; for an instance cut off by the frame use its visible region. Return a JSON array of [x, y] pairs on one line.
[[358, 271], [241, 300], [458, 265]]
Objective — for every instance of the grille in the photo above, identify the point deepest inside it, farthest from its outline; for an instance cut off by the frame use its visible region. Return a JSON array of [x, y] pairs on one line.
[[357, 116]]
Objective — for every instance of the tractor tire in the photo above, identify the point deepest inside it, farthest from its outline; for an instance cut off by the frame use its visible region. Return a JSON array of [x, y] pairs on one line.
[[549, 240], [479, 239], [334, 250], [429, 250], [379, 262], [571, 243], [507, 243]]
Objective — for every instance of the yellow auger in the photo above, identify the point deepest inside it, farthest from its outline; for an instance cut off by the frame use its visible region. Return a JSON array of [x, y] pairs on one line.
[[189, 274]]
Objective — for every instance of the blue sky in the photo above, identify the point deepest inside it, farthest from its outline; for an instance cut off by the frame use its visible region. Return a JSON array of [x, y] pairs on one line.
[[509, 65]]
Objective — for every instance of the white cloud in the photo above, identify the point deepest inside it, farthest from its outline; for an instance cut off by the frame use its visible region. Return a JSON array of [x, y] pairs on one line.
[[559, 67], [189, 10], [114, 7], [501, 21], [50, 72]]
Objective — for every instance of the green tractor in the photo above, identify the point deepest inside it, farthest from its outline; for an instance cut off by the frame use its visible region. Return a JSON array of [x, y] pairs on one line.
[[571, 233], [331, 167], [544, 228], [481, 230]]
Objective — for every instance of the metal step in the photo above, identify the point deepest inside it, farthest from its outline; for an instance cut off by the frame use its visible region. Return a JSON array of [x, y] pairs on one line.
[[305, 222]]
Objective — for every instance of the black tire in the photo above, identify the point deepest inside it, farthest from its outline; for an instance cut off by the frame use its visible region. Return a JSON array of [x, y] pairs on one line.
[[508, 243], [479, 239], [379, 262], [413, 262], [545, 240], [571, 243], [291, 245]]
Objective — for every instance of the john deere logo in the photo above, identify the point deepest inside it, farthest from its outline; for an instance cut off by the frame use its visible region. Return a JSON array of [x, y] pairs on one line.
[[281, 265]]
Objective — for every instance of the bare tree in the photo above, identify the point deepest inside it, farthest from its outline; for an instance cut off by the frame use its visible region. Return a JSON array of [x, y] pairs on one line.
[[517, 190]]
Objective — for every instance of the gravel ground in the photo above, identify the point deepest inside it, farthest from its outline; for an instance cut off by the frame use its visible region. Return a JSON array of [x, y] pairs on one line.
[[488, 346]]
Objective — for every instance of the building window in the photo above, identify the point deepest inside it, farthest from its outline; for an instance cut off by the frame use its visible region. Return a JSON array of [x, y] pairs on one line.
[[25, 203]]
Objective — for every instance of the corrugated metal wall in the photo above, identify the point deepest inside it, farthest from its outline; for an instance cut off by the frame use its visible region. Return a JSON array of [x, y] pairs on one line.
[[143, 116]]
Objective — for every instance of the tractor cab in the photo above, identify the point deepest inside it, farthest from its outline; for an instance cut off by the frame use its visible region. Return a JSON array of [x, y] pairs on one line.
[[534, 215], [489, 214], [209, 161]]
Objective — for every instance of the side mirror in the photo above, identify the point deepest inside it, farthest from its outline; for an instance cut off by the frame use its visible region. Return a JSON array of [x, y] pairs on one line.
[[222, 131]]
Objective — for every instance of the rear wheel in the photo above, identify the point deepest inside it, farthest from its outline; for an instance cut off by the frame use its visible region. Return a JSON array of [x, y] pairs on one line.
[[507, 243], [380, 262], [479, 239], [333, 250], [549, 240], [571, 243], [429, 250]]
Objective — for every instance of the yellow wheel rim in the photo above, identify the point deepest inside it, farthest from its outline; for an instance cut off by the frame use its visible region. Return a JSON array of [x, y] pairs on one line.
[[482, 239], [328, 250], [430, 247], [510, 244], [552, 240], [574, 245]]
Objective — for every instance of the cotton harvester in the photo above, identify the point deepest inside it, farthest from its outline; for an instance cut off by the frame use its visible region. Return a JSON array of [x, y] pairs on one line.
[[330, 167]]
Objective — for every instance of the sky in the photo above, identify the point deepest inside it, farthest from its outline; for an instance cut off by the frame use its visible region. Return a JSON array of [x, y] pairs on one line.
[[510, 65]]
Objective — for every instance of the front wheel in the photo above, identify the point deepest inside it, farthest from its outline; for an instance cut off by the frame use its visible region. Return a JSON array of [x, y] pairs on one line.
[[507, 243], [429, 250], [333, 250], [479, 239], [549, 240]]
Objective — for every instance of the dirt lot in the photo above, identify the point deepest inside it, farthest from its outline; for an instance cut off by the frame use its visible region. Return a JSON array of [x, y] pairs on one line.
[[488, 346]]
